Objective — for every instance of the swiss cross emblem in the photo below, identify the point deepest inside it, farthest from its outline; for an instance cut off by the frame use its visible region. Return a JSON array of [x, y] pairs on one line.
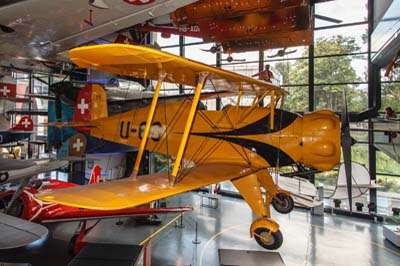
[[26, 123], [8, 90], [78, 145], [5, 90], [83, 106]]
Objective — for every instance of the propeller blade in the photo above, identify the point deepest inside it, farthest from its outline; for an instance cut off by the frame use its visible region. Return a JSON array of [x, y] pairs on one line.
[[347, 141], [329, 19], [17, 193], [213, 49]]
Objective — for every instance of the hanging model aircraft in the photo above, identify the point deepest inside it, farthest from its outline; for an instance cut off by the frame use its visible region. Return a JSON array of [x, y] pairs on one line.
[[282, 52], [22, 130], [28, 208], [16, 170], [240, 26], [238, 143]]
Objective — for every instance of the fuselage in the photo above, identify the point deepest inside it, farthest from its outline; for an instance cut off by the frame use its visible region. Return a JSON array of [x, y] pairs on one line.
[[238, 134], [29, 208]]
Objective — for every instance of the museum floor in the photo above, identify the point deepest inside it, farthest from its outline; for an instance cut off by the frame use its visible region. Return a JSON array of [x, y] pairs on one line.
[[308, 240]]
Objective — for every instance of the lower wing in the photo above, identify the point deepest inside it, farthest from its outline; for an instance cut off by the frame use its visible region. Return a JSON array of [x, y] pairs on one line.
[[85, 214], [130, 192]]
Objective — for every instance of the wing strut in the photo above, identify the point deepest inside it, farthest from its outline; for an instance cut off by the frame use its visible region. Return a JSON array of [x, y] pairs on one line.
[[143, 142], [272, 113], [200, 83]]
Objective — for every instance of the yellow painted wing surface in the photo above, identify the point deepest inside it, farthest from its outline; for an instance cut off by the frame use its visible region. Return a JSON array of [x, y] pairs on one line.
[[128, 192], [148, 63]]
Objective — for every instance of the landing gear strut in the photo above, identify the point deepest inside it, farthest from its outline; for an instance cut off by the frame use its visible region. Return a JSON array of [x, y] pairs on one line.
[[265, 231]]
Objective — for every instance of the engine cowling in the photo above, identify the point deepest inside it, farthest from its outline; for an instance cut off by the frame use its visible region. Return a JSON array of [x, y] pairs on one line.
[[321, 140]]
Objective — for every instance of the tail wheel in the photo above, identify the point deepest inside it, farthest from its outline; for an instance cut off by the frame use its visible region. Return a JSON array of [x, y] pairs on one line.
[[283, 203], [268, 239]]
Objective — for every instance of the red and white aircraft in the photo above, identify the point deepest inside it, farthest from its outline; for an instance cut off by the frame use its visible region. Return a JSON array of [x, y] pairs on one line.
[[29, 208]]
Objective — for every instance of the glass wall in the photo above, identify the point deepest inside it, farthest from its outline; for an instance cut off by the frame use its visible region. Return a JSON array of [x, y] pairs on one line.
[[340, 63]]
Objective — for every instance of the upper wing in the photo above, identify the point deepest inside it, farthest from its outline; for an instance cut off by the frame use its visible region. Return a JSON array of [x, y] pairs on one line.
[[128, 192], [148, 63]]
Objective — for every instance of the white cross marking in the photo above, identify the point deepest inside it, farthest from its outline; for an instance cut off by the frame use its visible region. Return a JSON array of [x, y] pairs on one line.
[[5, 90], [77, 145], [83, 106], [26, 123]]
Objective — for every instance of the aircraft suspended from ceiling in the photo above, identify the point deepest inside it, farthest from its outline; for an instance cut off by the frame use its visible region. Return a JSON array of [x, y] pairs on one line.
[[240, 26], [31, 37]]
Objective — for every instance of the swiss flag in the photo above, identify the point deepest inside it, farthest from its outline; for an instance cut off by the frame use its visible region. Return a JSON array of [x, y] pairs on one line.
[[8, 90]]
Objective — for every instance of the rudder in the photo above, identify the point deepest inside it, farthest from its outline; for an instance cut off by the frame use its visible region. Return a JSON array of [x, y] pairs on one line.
[[91, 103], [24, 124], [95, 176]]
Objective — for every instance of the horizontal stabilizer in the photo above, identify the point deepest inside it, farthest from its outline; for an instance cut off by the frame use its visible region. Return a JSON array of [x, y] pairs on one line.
[[129, 192], [16, 232]]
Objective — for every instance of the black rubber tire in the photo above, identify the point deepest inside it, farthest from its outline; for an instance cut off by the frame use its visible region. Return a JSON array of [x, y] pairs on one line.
[[275, 239], [286, 207], [3, 177], [71, 245]]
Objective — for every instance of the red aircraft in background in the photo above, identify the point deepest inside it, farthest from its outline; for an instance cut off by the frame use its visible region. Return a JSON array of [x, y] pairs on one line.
[[29, 208], [240, 26]]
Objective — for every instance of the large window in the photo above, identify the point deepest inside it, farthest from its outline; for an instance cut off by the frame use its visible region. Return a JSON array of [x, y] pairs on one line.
[[339, 63]]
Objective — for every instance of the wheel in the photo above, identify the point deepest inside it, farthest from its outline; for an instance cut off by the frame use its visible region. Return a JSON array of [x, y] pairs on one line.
[[71, 245], [285, 203], [274, 241], [3, 177], [214, 49], [229, 59]]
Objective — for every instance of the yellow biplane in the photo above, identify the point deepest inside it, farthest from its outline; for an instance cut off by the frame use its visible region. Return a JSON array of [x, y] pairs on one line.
[[238, 143]]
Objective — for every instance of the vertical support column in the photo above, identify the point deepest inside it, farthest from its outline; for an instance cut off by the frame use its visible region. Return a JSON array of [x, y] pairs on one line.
[[374, 101], [31, 87], [148, 125], [261, 68], [311, 91], [202, 77]]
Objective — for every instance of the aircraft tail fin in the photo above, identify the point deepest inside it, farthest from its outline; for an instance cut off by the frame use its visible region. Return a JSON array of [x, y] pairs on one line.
[[95, 176], [24, 124], [91, 104]]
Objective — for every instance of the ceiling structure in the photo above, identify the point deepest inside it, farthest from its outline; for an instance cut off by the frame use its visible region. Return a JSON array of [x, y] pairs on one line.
[[40, 29]]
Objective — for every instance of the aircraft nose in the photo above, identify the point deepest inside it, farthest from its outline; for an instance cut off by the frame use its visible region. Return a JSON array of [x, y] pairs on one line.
[[321, 140]]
